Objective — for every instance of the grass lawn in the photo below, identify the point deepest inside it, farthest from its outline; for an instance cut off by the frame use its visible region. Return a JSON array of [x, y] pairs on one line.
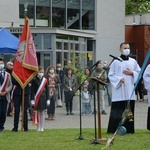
[[66, 139]]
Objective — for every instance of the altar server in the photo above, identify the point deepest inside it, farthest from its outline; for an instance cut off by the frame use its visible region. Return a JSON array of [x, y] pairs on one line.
[[123, 75], [146, 78]]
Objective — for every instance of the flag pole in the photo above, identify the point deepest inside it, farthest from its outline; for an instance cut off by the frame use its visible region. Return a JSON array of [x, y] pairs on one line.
[[23, 89], [22, 122]]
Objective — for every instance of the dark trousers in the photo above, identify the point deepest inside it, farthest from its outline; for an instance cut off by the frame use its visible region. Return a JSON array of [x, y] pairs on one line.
[[9, 109], [3, 111], [117, 109], [17, 105], [51, 107], [68, 100]]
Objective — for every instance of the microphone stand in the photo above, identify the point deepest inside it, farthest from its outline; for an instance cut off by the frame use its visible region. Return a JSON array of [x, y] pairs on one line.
[[81, 136], [99, 139]]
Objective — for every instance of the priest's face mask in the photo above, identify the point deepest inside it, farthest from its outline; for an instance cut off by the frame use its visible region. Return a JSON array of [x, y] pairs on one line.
[[125, 49]]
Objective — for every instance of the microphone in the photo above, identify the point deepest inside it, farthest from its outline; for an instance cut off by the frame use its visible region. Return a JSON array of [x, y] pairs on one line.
[[114, 57], [99, 61]]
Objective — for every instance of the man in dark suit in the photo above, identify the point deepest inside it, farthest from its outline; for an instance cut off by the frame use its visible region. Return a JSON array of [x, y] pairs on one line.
[[17, 98], [5, 88]]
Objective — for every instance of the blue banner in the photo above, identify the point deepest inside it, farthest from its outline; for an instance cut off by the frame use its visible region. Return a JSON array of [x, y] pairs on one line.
[[141, 72]]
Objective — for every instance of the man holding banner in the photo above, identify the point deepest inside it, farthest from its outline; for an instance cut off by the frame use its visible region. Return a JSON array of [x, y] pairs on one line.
[[25, 69], [123, 75]]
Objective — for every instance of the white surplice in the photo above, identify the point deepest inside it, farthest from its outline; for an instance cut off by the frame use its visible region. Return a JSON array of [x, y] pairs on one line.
[[146, 79], [122, 91]]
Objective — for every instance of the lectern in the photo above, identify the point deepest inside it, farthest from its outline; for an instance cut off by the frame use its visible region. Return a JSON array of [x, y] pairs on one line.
[[98, 81]]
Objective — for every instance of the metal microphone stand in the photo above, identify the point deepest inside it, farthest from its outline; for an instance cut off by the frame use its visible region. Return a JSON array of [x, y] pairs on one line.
[[81, 136]]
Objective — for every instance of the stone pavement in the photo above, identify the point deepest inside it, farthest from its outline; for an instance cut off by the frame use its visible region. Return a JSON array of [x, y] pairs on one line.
[[73, 121]]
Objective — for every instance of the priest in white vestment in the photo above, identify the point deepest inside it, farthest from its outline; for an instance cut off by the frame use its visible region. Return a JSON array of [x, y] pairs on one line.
[[146, 79], [123, 75]]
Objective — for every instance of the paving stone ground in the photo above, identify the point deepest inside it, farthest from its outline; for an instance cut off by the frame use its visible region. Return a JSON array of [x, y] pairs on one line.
[[73, 121]]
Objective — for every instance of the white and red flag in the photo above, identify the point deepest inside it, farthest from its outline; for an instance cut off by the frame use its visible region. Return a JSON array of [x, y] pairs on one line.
[[25, 64]]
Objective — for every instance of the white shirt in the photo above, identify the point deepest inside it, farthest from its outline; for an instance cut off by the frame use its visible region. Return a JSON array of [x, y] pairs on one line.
[[122, 91], [146, 79]]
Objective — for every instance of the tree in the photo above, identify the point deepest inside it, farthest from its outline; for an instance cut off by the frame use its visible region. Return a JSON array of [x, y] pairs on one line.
[[137, 6]]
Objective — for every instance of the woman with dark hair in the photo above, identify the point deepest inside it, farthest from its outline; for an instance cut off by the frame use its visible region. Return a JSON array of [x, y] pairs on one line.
[[86, 75], [69, 83]]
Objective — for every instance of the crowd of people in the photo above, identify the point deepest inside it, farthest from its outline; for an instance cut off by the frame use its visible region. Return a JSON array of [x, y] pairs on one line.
[[48, 90], [56, 85]]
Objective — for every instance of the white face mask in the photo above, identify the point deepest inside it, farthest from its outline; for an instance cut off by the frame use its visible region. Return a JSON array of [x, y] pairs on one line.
[[40, 74], [51, 71], [104, 65], [126, 52]]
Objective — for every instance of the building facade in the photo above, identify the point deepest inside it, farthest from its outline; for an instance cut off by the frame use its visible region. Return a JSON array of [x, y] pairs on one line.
[[137, 33], [90, 27]]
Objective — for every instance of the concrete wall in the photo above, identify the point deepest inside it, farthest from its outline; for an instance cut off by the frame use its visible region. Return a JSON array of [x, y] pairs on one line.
[[110, 24], [110, 28], [137, 19], [9, 12]]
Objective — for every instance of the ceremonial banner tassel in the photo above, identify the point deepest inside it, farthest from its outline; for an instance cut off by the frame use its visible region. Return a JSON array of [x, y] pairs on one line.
[[35, 119]]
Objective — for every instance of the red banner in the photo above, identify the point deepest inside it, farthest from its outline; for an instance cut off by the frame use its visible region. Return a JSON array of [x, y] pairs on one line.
[[25, 64]]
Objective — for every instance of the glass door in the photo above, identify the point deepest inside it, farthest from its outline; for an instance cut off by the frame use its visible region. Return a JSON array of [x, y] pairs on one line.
[[44, 59]]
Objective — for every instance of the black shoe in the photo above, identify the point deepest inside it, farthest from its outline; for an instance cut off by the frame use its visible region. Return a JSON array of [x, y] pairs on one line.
[[104, 113], [14, 130], [71, 113], [1, 129], [25, 130], [67, 113]]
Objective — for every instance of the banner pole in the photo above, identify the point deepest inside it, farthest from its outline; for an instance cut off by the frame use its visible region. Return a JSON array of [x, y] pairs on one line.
[[22, 107]]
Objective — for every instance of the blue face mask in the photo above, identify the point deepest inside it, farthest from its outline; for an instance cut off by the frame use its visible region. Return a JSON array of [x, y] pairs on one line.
[[1, 66]]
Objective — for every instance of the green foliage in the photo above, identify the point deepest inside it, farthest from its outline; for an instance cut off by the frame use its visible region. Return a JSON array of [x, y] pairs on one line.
[[130, 7], [77, 68], [144, 6], [140, 6], [66, 139]]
